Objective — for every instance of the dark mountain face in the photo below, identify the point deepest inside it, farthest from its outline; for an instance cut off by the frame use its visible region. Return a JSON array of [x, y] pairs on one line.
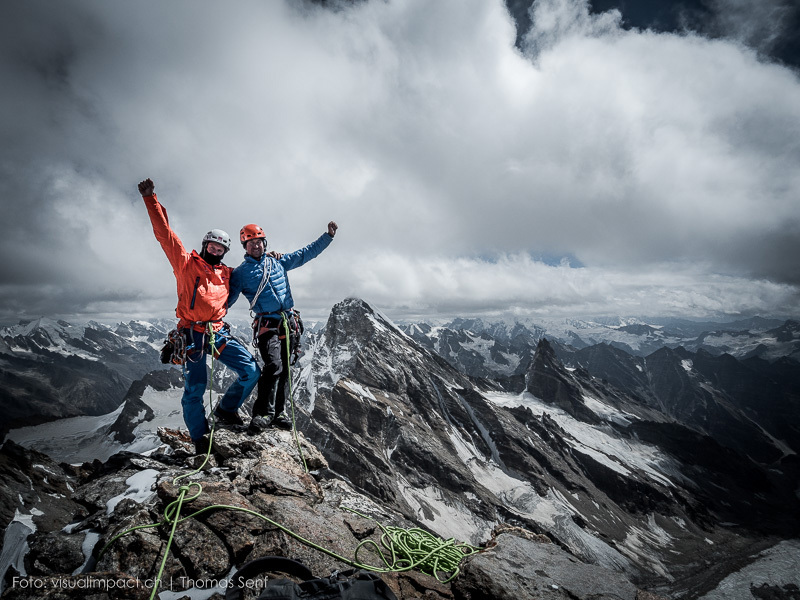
[[39, 390], [51, 369], [401, 423], [750, 406], [548, 380]]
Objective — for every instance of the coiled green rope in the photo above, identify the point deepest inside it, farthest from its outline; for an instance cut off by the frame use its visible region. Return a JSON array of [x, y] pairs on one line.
[[415, 548]]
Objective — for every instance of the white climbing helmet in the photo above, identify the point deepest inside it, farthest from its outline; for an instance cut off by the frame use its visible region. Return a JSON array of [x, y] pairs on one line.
[[218, 236]]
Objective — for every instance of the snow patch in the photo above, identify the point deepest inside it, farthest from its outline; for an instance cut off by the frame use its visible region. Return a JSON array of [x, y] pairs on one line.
[[618, 453], [639, 543], [15, 544], [72, 440], [441, 516], [139, 489], [360, 390], [89, 542], [27, 520], [608, 413], [45, 469]]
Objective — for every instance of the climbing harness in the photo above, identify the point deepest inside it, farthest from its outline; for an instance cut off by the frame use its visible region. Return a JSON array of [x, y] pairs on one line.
[[263, 323], [174, 350]]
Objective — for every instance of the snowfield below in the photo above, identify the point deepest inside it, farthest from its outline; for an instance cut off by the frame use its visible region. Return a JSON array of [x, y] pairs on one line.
[[83, 439]]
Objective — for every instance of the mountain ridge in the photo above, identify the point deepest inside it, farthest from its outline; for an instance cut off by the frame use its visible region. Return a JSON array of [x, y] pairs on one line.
[[601, 457]]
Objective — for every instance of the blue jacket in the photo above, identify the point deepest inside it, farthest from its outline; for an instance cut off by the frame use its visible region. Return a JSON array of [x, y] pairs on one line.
[[276, 295]]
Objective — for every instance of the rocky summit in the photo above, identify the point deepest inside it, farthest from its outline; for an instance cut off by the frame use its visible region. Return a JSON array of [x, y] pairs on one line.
[[599, 474], [101, 526]]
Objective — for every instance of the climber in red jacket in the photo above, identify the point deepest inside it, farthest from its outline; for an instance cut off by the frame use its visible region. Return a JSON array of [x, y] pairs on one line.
[[203, 286]]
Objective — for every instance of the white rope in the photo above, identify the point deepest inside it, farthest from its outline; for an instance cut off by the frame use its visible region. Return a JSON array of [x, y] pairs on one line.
[[263, 283]]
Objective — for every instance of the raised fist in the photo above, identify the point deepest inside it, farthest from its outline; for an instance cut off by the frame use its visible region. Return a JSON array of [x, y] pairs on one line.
[[146, 187]]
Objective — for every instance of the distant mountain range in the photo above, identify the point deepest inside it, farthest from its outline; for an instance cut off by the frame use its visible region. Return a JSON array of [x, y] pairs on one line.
[[504, 349], [52, 369]]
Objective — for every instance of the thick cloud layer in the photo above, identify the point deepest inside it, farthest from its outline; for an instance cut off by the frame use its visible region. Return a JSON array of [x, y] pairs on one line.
[[663, 165]]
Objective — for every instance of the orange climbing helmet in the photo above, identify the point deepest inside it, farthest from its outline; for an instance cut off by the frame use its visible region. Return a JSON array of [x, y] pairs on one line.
[[251, 232]]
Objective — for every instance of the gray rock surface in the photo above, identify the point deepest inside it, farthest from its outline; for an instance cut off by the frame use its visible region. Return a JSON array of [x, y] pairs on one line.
[[518, 569]]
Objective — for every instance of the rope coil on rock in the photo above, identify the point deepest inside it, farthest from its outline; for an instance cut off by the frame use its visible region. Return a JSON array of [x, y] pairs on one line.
[[420, 549]]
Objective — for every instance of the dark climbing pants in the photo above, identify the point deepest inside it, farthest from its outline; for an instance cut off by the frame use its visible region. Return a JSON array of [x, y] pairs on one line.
[[273, 385]]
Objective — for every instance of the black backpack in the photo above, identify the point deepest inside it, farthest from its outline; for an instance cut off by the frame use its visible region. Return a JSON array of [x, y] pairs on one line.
[[345, 585]]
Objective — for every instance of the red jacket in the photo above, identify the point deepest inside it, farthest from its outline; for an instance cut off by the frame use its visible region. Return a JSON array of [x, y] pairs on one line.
[[202, 288]]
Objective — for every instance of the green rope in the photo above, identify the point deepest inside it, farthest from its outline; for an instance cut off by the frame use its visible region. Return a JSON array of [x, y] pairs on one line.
[[173, 510], [410, 549], [418, 549], [291, 390], [169, 542]]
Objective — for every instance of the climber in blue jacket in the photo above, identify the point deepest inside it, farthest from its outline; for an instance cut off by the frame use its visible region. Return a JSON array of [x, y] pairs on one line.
[[264, 282]]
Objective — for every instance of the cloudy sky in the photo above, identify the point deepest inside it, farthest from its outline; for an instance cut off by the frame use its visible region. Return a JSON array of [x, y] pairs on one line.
[[539, 159]]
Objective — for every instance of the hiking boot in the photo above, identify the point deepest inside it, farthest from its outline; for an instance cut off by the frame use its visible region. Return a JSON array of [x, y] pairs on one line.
[[201, 445], [281, 422], [227, 417], [257, 425]]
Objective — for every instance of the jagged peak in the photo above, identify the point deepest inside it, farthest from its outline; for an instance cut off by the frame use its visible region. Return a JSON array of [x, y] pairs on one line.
[[666, 352], [356, 317], [544, 350], [27, 327]]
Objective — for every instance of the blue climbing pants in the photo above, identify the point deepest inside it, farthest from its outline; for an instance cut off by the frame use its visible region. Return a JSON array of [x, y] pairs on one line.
[[234, 356]]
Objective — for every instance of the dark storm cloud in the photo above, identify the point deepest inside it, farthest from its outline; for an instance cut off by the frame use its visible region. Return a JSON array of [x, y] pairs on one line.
[[768, 26]]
